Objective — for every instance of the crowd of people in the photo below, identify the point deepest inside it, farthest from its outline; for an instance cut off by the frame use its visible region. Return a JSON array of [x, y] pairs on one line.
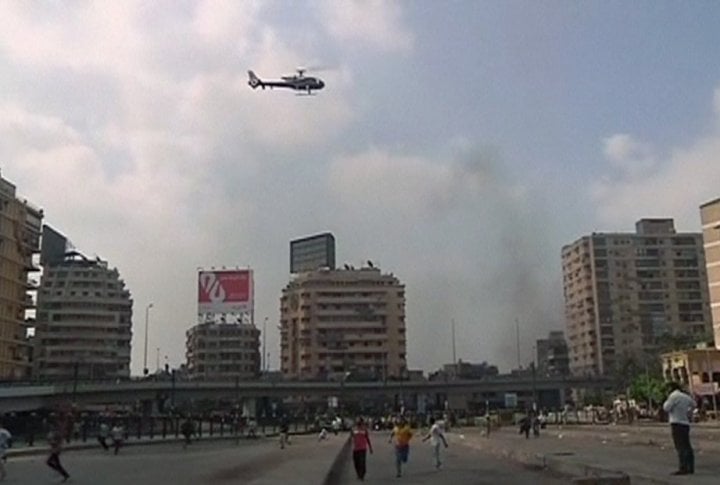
[[111, 434]]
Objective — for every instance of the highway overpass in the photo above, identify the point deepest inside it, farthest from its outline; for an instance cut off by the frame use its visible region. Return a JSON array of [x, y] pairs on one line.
[[24, 397]]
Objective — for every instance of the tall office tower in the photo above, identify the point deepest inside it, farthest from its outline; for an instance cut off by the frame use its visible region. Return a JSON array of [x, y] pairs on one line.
[[335, 322], [84, 319], [20, 225], [710, 216], [626, 292]]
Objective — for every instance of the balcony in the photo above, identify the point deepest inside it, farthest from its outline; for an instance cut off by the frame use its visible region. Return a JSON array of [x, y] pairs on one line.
[[30, 267]]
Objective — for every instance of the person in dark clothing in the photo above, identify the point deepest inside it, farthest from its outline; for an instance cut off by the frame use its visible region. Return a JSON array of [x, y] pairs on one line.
[[55, 439], [525, 426], [32, 429], [361, 444], [187, 429]]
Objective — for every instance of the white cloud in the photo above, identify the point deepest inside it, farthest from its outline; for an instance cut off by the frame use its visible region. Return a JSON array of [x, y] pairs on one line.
[[374, 22], [403, 183], [680, 182], [628, 154], [221, 21]]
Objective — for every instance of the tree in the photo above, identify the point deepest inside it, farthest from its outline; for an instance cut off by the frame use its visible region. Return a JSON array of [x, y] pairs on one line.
[[648, 389]]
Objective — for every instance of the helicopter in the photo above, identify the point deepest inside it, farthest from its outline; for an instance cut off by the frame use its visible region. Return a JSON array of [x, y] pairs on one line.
[[298, 82]]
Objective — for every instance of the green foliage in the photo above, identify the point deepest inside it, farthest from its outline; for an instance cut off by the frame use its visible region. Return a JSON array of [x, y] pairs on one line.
[[645, 388]]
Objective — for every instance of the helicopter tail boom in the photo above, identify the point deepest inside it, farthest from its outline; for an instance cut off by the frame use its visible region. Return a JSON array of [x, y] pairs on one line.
[[254, 81]]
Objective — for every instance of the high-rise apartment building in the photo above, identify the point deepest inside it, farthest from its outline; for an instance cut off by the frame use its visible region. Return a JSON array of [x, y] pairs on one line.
[[337, 321], [710, 216], [20, 225], [223, 351], [84, 320], [552, 355], [625, 292]]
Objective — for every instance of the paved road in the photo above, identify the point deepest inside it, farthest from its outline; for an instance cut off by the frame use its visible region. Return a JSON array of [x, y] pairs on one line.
[[220, 463], [579, 454], [462, 466]]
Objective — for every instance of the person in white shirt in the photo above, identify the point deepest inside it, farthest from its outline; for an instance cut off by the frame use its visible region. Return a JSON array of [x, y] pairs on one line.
[[679, 407], [5, 443], [436, 437], [103, 433], [117, 433]]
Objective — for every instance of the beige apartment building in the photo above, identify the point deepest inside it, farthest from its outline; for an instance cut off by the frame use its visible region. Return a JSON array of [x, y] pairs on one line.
[[223, 351], [20, 226], [84, 320], [710, 216], [334, 322], [698, 369], [626, 292]]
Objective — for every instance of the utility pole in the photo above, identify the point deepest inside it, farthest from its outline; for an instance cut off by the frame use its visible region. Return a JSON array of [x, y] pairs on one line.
[[517, 332], [264, 348], [147, 318], [453, 344]]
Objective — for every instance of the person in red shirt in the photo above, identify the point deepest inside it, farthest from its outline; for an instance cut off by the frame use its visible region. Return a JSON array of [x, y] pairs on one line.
[[361, 444]]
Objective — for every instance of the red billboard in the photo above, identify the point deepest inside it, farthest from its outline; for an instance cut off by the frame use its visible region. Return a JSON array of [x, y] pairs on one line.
[[225, 291]]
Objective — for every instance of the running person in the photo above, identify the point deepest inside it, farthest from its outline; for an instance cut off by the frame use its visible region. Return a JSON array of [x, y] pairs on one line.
[[5, 443], [401, 435], [361, 445], [55, 441], [436, 437]]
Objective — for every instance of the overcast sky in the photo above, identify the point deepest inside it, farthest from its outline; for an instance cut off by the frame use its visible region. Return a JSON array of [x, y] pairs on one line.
[[458, 145]]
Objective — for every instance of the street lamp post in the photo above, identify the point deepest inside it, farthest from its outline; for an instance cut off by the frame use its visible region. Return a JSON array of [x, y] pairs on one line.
[[147, 319], [263, 364]]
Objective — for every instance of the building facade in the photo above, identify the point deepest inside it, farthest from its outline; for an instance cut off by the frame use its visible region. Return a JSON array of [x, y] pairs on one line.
[[625, 293], [710, 216], [312, 252], [218, 351], [20, 225], [335, 322], [698, 369], [552, 355], [465, 370], [84, 320]]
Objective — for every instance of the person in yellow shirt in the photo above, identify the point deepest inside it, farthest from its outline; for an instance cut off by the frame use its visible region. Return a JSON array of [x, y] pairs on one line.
[[401, 436]]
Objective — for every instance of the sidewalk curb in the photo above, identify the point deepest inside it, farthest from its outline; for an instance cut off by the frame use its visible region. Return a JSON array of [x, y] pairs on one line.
[[334, 475]]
